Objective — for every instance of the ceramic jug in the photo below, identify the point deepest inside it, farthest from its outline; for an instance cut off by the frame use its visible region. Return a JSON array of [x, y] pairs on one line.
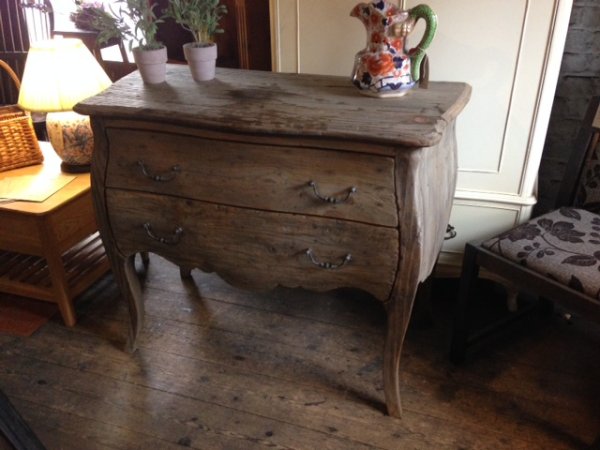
[[385, 67]]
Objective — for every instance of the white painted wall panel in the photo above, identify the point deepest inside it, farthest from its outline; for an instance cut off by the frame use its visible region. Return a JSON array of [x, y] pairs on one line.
[[509, 52]]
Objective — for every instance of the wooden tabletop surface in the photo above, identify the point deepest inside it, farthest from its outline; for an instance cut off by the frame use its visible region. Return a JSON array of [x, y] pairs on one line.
[[50, 167], [286, 104]]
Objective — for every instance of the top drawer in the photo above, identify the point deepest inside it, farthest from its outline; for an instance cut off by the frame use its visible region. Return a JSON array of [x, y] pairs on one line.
[[345, 185]]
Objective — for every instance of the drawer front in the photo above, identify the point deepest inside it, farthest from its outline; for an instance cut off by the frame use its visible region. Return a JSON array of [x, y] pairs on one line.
[[256, 249], [345, 185]]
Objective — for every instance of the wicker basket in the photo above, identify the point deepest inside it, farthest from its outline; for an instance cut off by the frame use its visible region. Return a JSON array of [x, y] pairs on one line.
[[18, 143]]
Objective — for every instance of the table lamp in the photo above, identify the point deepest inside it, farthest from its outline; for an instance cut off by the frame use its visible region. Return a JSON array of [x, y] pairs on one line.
[[58, 74]]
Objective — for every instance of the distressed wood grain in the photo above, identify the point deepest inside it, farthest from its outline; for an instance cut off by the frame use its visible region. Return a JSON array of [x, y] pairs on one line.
[[257, 102], [268, 177], [224, 187], [214, 360]]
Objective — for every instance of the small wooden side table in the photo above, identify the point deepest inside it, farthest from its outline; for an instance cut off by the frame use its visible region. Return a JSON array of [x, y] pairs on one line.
[[51, 250]]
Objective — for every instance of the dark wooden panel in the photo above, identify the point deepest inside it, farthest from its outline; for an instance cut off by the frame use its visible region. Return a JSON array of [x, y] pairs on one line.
[[245, 43], [259, 35]]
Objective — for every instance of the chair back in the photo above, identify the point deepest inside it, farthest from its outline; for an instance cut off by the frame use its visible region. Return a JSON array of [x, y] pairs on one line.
[[39, 17], [14, 43], [581, 183]]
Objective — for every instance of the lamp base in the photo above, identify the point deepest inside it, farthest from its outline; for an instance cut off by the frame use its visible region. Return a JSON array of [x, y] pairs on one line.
[[74, 168], [71, 137]]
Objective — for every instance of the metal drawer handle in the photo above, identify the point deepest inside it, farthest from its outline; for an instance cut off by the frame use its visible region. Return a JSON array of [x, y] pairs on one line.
[[326, 199], [327, 265], [450, 232], [166, 177], [172, 240]]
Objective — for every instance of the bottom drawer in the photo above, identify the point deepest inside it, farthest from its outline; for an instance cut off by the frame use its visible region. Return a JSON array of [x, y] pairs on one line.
[[256, 249]]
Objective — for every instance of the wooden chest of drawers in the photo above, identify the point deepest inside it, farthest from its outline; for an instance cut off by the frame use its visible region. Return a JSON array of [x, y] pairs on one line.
[[277, 179]]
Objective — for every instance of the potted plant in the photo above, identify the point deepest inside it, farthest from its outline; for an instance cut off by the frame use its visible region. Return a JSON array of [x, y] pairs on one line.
[[135, 21], [201, 18]]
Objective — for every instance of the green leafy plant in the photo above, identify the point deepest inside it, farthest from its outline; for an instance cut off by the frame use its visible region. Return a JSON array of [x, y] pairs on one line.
[[88, 12], [134, 20], [92, 16], [200, 17]]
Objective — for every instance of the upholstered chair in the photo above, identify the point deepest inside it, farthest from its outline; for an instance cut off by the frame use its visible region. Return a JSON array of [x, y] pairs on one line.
[[555, 256]]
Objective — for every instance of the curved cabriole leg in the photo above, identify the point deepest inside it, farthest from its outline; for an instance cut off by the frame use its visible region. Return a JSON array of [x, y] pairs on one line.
[[127, 278], [398, 312]]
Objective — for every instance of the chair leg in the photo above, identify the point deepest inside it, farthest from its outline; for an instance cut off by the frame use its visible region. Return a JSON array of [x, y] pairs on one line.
[[512, 294], [460, 333]]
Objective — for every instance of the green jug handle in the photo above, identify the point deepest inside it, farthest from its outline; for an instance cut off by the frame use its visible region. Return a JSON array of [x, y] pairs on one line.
[[418, 53]]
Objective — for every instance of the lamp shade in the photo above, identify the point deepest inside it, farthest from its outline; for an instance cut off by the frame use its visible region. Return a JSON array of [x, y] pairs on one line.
[[58, 74]]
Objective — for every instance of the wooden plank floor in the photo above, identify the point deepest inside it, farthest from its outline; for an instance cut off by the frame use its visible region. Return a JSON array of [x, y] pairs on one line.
[[221, 368]]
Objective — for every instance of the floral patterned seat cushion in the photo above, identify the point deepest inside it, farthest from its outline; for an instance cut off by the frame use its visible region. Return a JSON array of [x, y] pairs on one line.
[[563, 245]]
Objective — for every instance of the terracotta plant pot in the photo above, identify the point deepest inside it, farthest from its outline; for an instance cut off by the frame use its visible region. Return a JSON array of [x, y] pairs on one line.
[[152, 64], [201, 59]]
